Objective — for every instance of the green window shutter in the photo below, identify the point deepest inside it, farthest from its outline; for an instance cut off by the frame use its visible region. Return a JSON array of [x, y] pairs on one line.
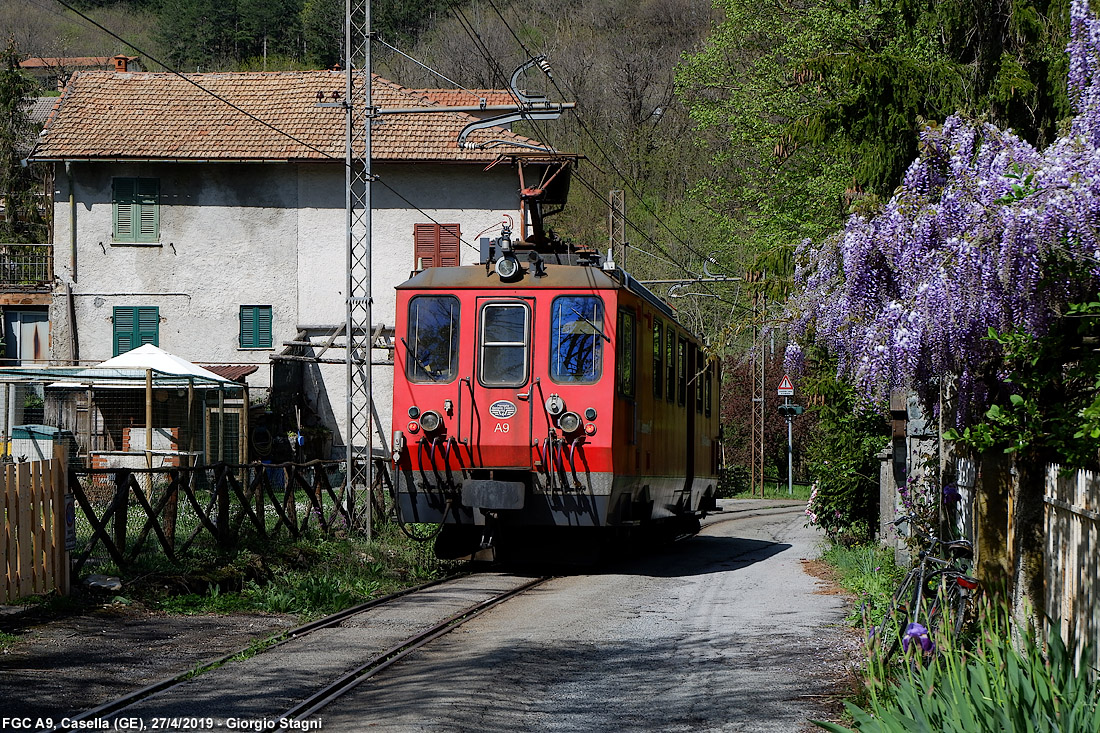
[[124, 329], [124, 209], [148, 198], [136, 209], [255, 327], [148, 325], [135, 326]]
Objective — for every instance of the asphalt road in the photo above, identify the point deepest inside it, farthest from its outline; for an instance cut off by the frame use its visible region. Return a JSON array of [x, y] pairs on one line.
[[722, 632]]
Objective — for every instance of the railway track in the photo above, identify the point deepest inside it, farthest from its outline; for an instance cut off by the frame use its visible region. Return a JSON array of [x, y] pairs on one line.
[[307, 668]]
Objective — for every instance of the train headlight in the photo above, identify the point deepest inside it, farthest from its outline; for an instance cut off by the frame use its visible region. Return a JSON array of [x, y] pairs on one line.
[[555, 405], [430, 420], [569, 422], [507, 267], [590, 429]]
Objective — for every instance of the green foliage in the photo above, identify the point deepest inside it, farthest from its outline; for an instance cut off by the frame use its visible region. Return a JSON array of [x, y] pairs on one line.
[[990, 688], [20, 187], [869, 572], [841, 457], [812, 109], [1055, 408]]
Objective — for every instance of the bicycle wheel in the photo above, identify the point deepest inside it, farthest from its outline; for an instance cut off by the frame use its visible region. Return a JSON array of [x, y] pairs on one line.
[[887, 635]]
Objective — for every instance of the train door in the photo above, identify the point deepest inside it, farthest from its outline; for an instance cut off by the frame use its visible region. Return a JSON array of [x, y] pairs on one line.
[[502, 385]]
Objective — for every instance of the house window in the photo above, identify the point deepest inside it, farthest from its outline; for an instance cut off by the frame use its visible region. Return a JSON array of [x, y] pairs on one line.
[[436, 245], [626, 353], [576, 339], [136, 209], [135, 326], [255, 327]]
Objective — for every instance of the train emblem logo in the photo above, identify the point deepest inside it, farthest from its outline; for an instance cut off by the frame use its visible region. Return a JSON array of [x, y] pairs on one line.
[[502, 409]]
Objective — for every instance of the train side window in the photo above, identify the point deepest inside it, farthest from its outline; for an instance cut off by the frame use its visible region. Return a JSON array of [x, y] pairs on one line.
[[699, 379], [432, 345], [670, 365], [626, 353], [576, 339], [658, 352], [681, 368], [504, 343], [708, 390]]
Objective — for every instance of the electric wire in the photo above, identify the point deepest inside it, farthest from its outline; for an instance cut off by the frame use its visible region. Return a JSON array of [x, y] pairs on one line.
[[496, 69], [419, 63], [274, 128], [603, 152]]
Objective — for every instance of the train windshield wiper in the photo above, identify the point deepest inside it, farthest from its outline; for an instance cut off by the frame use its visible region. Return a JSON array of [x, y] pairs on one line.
[[423, 367], [595, 328]]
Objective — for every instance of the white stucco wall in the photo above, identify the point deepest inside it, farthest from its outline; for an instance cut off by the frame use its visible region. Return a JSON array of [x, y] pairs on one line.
[[235, 234]]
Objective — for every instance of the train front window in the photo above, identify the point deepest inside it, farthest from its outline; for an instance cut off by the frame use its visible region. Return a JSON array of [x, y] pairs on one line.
[[504, 329], [431, 346], [576, 339]]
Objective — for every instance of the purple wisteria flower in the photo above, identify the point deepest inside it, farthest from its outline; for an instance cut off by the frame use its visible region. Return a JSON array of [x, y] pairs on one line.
[[917, 634], [951, 495], [986, 231]]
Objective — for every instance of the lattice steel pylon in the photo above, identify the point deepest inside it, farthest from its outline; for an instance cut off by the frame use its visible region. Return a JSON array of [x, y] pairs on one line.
[[359, 112]]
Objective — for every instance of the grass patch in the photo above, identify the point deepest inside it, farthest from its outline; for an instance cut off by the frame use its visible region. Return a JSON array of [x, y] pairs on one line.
[[870, 573], [308, 578], [777, 490]]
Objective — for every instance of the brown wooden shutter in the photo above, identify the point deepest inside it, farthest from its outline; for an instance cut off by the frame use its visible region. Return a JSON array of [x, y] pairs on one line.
[[436, 245]]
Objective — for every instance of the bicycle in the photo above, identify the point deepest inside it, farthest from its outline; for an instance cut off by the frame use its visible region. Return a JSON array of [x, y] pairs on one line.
[[935, 588]]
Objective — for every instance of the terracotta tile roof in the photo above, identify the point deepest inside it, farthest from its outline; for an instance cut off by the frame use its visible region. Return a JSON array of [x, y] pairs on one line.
[[465, 97], [232, 372], [146, 115], [61, 62], [39, 108]]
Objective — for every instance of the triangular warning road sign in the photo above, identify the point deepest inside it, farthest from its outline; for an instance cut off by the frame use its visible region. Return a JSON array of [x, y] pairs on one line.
[[786, 389]]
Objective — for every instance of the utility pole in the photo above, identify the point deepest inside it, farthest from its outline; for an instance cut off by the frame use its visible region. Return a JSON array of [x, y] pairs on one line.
[[757, 377], [358, 113], [616, 225]]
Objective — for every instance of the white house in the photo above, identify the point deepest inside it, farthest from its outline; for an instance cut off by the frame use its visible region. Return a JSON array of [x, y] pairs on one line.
[[205, 214]]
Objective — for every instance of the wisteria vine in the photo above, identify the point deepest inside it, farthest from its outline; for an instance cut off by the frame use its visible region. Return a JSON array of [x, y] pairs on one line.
[[985, 232]]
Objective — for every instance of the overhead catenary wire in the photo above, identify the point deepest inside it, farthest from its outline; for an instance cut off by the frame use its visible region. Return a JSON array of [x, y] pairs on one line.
[[265, 123], [600, 148], [496, 69]]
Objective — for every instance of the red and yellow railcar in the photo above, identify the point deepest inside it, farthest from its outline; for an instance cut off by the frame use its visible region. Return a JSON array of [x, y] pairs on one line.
[[560, 394]]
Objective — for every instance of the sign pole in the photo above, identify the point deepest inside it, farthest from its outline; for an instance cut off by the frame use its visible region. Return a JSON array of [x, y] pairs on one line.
[[786, 391], [790, 450]]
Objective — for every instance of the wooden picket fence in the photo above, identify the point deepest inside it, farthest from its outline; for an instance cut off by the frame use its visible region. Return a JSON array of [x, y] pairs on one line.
[[33, 547], [1073, 558]]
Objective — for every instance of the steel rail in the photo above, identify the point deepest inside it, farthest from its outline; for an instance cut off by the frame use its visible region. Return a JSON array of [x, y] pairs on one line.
[[270, 642], [352, 679]]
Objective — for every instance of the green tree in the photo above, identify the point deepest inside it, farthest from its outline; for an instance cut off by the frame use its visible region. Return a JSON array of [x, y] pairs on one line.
[[20, 185], [812, 108]]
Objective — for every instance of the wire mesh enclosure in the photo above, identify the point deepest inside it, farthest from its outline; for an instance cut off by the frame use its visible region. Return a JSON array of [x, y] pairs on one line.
[[122, 418]]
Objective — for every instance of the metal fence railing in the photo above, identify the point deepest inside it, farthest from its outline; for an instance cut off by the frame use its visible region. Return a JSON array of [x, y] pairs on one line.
[[26, 266]]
